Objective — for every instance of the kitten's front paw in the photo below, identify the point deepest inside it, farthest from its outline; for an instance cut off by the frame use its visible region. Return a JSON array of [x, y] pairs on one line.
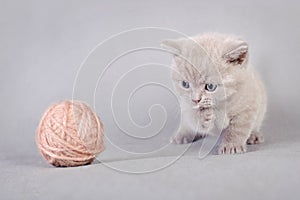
[[231, 148], [255, 138], [182, 138], [207, 118]]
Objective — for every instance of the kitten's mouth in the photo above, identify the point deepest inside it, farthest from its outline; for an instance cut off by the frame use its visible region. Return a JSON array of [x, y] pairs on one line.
[[197, 106]]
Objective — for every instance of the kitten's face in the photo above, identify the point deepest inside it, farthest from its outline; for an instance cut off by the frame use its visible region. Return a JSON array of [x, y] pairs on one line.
[[206, 68], [199, 84]]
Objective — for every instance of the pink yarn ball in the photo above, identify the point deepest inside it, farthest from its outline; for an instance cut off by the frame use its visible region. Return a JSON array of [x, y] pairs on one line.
[[70, 134]]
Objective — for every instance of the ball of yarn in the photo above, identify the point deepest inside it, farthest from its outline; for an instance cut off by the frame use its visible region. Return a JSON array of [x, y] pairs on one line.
[[70, 134]]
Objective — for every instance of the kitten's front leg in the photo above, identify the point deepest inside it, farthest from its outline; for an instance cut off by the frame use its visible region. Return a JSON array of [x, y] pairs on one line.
[[187, 134], [236, 134], [184, 136], [207, 120]]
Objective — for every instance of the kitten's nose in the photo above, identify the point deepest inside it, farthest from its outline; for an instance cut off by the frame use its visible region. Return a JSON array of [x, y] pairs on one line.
[[196, 100]]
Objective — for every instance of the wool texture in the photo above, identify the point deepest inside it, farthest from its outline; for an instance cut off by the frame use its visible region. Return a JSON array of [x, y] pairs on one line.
[[70, 134]]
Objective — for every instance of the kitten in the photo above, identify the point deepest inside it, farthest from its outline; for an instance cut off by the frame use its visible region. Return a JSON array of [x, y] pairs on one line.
[[219, 89]]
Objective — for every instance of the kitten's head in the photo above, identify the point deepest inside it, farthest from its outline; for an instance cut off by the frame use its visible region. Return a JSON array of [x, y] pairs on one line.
[[207, 68]]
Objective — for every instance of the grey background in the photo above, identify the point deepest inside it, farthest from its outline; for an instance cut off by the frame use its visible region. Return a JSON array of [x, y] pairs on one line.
[[42, 46]]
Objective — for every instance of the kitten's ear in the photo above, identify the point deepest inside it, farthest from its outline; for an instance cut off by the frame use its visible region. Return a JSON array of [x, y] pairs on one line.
[[237, 53], [173, 45]]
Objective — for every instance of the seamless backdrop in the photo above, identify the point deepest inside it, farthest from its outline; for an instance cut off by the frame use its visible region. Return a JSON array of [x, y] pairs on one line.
[[42, 44]]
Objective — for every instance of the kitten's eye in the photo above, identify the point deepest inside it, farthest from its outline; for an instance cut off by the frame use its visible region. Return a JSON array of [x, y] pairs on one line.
[[185, 84], [210, 87]]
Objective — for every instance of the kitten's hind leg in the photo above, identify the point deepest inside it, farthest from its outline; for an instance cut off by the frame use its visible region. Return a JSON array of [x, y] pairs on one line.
[[255, 138]]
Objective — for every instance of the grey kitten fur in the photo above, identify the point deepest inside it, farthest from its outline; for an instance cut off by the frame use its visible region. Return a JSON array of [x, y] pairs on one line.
[[218, 89]]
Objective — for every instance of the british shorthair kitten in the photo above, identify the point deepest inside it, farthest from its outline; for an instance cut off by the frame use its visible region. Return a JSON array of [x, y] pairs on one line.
[[218, 89]]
